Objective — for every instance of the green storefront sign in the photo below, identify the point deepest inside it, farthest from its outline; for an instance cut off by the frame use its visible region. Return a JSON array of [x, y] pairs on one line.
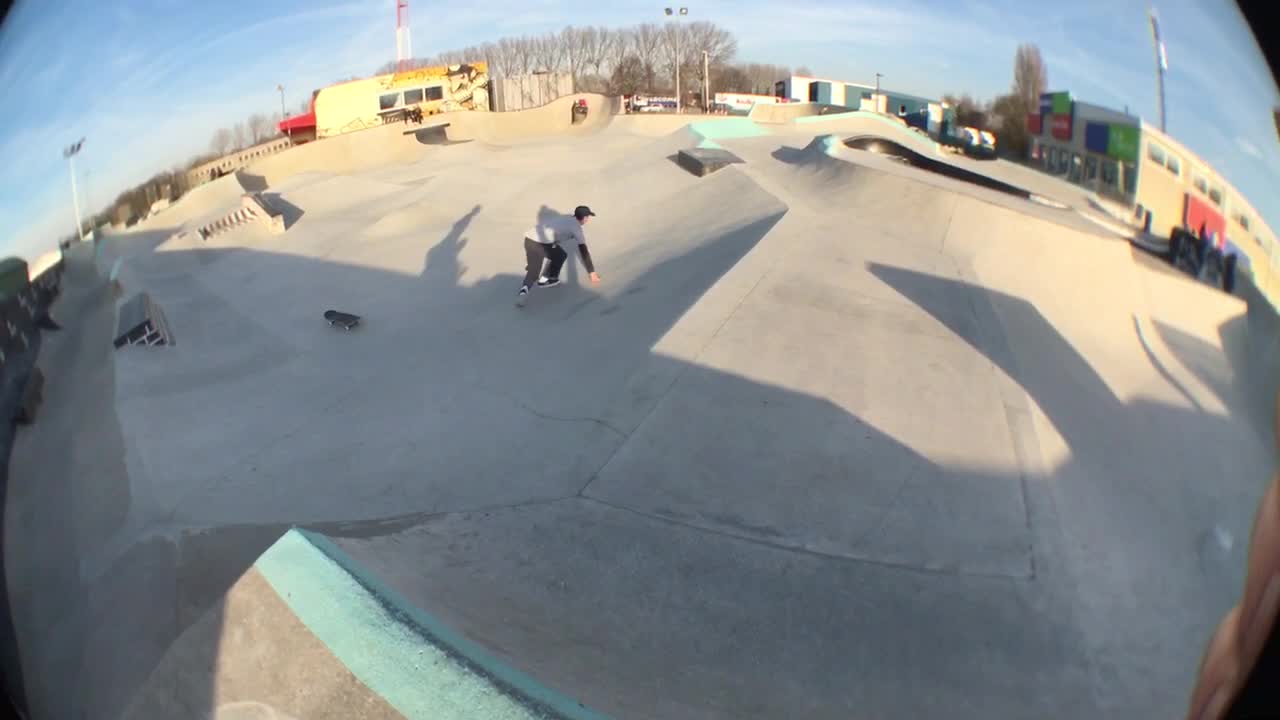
[[1122, 143], [1061, 103]]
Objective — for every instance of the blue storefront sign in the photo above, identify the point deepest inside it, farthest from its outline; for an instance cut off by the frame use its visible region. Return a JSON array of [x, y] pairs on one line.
[[1096, 136]]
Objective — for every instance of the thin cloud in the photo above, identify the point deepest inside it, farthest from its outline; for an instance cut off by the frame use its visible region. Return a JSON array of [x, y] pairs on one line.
[[1248, 147]]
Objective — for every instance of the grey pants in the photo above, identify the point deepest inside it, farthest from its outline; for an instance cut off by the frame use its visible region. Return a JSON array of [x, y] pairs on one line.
[[534, 254]]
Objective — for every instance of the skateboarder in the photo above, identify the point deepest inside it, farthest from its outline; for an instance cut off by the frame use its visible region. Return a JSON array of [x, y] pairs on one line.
[[542, 242]]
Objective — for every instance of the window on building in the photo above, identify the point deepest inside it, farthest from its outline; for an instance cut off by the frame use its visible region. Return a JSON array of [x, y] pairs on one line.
[[1130, 173], [1174, 164], [1110, 174], [1215, 194], [413, 97], [1156, 153], [435, 93], [388, 101], [1200, 185], [1243, 220]]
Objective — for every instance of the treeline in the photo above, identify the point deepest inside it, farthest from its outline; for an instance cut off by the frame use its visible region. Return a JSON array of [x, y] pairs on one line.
[[623, 61], [1006, 115]]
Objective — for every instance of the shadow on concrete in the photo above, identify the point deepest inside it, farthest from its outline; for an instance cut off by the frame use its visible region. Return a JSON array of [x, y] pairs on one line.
[[113, 584], [434, 135], [95, 615], [291, 213], [1250, 382], [1189, 479], [251, 182]]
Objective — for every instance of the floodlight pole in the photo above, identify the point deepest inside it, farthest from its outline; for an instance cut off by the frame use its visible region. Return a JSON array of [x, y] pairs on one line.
[[69, 153]]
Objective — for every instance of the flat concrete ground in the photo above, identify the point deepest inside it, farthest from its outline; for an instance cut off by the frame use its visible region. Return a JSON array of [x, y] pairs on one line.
[[834, 438]]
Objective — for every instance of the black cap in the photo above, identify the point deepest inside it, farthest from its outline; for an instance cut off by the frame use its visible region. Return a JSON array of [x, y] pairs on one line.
[[582, 211]]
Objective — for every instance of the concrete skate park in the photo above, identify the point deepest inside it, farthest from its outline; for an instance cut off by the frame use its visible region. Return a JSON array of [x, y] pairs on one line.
[[835, 437]]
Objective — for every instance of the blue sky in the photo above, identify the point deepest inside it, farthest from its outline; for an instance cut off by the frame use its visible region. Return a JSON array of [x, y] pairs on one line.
[[147, 82]]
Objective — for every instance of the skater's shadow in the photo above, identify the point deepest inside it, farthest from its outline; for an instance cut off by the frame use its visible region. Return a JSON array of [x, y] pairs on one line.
[[442, 263]]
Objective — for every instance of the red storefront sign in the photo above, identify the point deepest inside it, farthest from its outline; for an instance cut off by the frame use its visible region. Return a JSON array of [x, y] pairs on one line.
[[1204, 219], [1060, 126]]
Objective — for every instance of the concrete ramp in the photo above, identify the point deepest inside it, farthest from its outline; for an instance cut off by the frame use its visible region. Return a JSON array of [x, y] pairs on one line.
[[199, 206], [554, 118], [833, 437], [789, 112], [305, 616], [379, 147]]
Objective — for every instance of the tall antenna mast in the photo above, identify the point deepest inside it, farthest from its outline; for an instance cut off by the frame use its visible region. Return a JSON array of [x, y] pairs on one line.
[[1162, 61], [404, 50]]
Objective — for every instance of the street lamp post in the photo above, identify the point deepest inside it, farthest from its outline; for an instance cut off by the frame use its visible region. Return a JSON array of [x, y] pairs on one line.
[[69, 153], [706, 82], [878, 76], [283, 115], [673, 12]]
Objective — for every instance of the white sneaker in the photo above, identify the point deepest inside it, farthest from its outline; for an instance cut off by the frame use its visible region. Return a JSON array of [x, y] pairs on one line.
[[523, 296], [545, 281]]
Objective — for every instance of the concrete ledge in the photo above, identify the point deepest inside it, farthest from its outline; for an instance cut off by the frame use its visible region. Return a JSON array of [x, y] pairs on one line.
[[703, 161], [265, 211], [414, 662]]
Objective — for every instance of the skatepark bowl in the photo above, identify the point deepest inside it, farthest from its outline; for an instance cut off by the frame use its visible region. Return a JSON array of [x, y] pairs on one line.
[[835, 437]]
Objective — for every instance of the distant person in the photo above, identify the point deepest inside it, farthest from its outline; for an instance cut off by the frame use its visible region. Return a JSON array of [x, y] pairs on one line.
[[542, 243]]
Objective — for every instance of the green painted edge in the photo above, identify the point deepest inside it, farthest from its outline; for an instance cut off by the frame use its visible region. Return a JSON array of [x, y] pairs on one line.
[[734, 127], [319, 556]]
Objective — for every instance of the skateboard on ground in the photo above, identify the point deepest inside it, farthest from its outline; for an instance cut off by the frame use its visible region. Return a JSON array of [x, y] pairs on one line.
[[337, 318]]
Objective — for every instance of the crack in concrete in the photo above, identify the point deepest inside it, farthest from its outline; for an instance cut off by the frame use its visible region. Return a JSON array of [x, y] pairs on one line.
[[548, 416], [809, 552], [675, 379]]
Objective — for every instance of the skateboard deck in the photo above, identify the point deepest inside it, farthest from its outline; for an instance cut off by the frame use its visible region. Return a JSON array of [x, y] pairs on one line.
[[337, 318]]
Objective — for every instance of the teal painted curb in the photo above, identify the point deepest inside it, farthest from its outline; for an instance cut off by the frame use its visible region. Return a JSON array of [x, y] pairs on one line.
[[417, 664], [726, 128]]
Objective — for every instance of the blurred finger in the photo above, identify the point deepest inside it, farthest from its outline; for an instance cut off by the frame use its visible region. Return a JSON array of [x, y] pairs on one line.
[[1261, 598]]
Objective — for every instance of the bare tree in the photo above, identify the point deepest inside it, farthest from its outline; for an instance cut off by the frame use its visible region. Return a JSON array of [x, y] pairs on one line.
[[969, 112], [588, 74], [522, 49], [804, 71], [616, 48], [221, 143], [490, 53], [757, 76], [646, 42], [1030, 76], [572, 43], [628, 76], [1008, 112], [239, 136], [718, 44], [733, 79], [590, 40], [258, 127], [673, 49], [548, 53]]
